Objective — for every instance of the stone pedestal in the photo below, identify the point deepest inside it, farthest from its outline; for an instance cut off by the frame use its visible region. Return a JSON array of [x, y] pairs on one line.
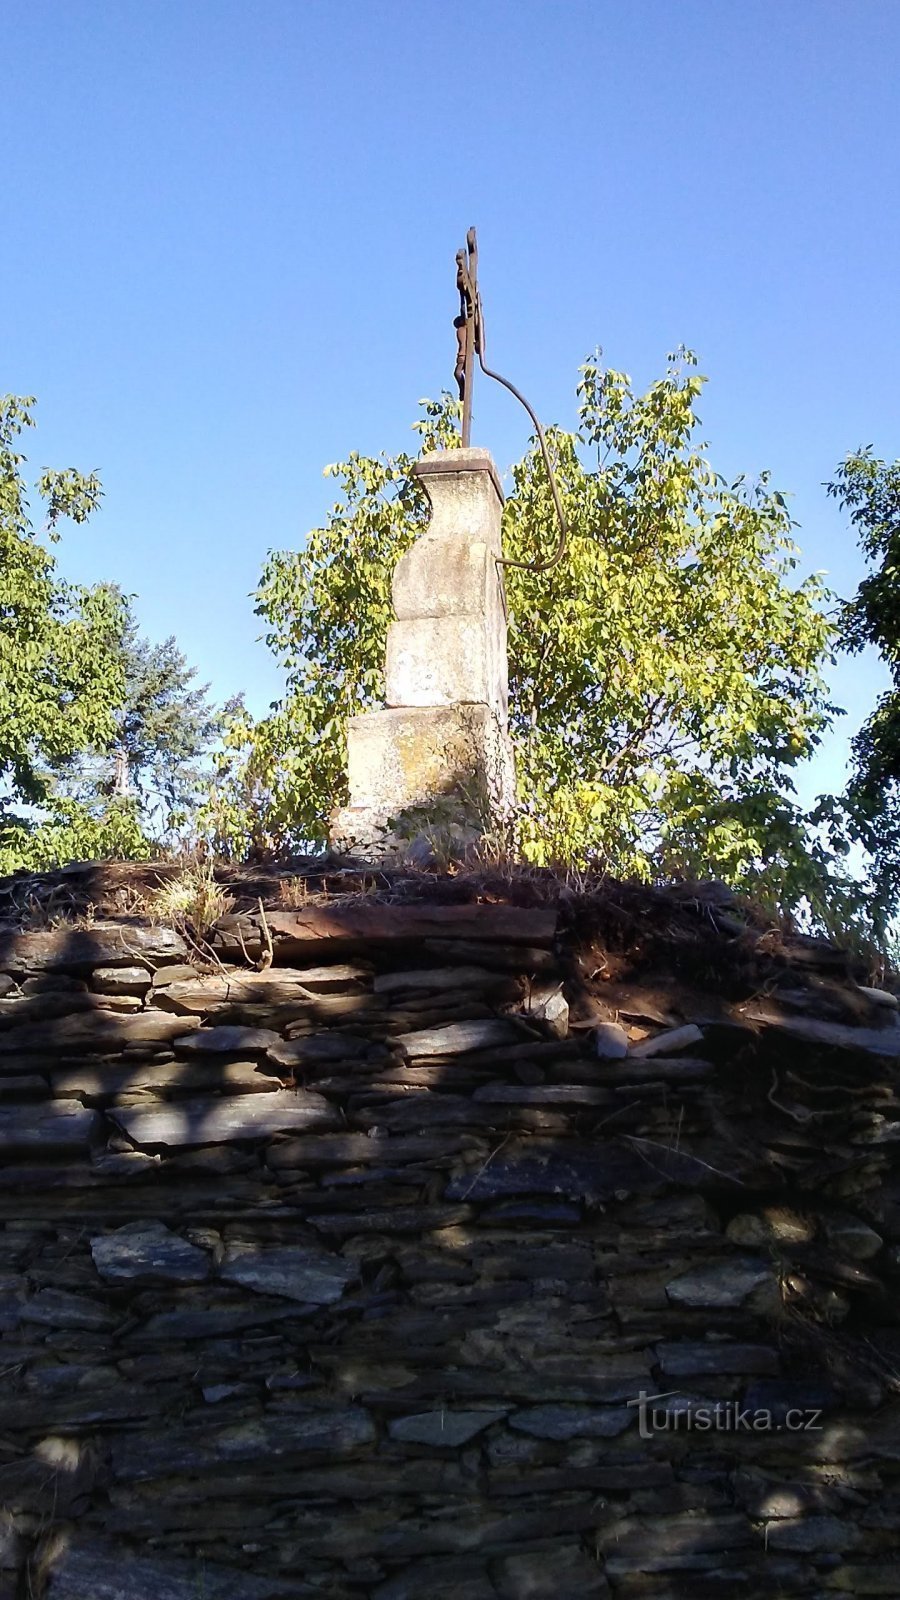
[[438, 760]]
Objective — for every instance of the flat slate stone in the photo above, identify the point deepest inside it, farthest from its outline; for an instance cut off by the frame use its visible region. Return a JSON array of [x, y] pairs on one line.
[[217, 1121], [875, 1578], [454, 1578], [313, 1048], [108, 1078], [223, 1040], [438, 980], [515, 958], [665, 1043], [295, 1272], [721, 1284], [841, 1035], [24, 1086], [176, 972], [781, 1395], [421, 1108], [105, 944], [389, 1219], [851, 1237], [652, 1546], [811, 1535], [43, 1007], [83, 1406], [95, 1570], [575, 1173], [52, 983], [96, 1030], [121, 980], [564, 1572], [573, 1422], [57, 1308], [213, 1322], [544, 1094], [277, 986], [536, 1213], [55, 1125], [322, 929], [290, 1433], [456, 1038], [148, 1252], [660, 1069], [317, 1150], [701, 1357], [443, 1429], [40, 1176], [679, 1166]]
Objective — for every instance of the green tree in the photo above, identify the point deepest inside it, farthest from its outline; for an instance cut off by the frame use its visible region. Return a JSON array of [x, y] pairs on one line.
[[61, 669], [665, 677], [163, 729], [869, 489]]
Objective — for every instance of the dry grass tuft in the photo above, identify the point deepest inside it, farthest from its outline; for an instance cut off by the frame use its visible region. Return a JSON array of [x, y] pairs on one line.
[[294, 893], [192, 897]]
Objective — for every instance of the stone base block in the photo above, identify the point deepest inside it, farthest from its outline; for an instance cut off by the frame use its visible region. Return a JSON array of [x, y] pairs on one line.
[[417, 768]]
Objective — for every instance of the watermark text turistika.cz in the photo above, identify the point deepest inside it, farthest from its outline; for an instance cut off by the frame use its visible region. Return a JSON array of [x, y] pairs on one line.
[[720, 1416]]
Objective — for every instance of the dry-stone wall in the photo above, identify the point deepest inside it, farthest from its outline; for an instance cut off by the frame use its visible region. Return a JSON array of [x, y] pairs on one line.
[[339, 1276]]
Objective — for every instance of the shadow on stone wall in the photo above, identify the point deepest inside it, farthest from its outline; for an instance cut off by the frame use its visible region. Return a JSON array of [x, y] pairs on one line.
[[340, 1278]]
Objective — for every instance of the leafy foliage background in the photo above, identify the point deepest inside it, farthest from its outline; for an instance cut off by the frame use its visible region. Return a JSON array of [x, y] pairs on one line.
[[665, 679], [78, 688]]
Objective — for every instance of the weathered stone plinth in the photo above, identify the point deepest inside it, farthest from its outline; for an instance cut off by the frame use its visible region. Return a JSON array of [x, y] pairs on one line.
[[438, 758]]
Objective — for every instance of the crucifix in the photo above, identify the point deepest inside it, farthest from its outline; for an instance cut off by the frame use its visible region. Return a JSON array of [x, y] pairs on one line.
[[469, 329], [470, 342]]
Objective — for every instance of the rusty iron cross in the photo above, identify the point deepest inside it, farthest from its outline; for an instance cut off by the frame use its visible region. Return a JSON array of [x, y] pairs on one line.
[[470, 342], [469, 329]]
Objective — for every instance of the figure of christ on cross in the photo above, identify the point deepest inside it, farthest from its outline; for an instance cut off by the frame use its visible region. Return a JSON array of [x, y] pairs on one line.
[[469, 330]]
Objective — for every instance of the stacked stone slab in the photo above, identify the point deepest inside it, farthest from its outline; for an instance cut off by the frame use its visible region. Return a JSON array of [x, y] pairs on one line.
[[437, 762], [338, 1278]]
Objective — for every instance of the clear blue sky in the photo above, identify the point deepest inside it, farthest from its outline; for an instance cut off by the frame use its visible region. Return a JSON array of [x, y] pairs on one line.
[[229, 239]]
